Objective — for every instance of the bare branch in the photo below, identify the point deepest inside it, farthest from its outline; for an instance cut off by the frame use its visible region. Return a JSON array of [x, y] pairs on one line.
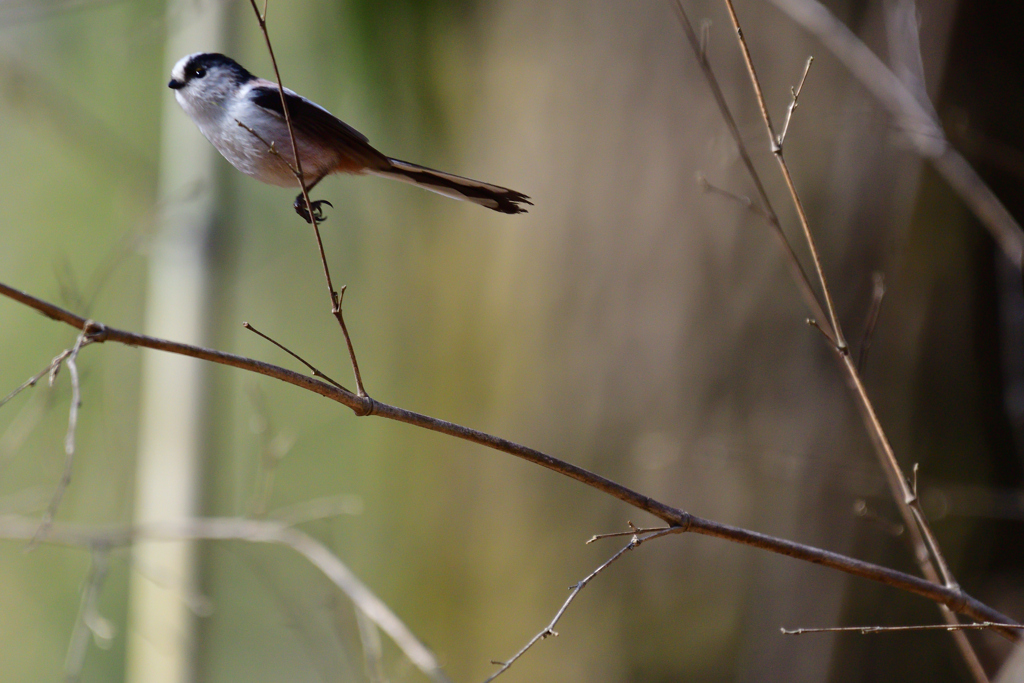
[[954, 598], [921, 536]]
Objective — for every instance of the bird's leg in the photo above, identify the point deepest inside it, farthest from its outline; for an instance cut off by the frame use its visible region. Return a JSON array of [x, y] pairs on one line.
[[317, 206]]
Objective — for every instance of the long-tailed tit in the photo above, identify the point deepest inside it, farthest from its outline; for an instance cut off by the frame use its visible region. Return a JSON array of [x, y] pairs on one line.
[[243, 118]]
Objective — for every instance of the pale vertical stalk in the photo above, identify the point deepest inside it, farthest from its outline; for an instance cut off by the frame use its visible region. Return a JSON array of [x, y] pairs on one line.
[[161, 627]]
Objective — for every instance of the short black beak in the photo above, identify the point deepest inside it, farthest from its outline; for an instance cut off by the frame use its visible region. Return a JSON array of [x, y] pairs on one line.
[[175, 84]]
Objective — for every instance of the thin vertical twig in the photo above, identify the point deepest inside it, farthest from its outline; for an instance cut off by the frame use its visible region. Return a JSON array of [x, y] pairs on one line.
[[777, 151], [549, 630], [803, 282], [923, 539], [334, 295], [69, 437]]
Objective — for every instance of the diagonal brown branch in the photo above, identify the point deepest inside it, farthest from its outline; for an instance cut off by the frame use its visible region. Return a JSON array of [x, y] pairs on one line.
[[954, 598]]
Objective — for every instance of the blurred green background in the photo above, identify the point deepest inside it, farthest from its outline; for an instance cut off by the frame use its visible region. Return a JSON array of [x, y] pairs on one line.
[[629, 323]]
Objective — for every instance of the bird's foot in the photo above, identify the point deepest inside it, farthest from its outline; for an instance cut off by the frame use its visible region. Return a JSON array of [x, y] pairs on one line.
[[317, 206]]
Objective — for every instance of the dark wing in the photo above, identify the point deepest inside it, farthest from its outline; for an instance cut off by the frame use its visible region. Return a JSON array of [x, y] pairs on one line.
[[313, 121]]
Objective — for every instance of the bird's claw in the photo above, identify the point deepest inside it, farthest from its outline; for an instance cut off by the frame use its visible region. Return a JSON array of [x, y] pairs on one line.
[[317, 206]]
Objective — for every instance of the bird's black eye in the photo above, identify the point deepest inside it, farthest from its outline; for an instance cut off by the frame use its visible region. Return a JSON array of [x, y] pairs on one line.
[[196, 72]]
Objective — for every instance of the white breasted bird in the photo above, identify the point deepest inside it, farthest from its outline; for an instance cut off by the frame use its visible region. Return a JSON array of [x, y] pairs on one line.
[[243, 118]]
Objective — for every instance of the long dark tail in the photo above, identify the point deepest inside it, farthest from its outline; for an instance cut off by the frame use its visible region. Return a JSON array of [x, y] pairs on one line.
[[492, 196]]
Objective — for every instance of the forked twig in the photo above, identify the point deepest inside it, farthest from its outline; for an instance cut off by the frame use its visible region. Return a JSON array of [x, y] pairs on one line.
[[803, 282], [549, 630], [335, 296], [923, 539], [70, 357], [793, 102]]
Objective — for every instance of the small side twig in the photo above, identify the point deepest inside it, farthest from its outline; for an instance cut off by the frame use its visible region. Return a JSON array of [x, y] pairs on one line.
[[744, 201], [549, 630], [50, 369], [312, 368], [795, 92], [633, 531], [69, 437]]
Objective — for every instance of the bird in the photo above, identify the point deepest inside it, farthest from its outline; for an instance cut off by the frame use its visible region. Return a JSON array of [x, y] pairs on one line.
[[243, 117]]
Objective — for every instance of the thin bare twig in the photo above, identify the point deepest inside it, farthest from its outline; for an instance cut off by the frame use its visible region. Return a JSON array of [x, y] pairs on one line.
[[795, 92], [316, 372], [271, 147], [982, 626], [549, 630], [776, 148], [336, 297], [803, 282], [249, 531], [69, 437], [955, 599], [633, 531], [926, 133], [34, 379], [922, 538]]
